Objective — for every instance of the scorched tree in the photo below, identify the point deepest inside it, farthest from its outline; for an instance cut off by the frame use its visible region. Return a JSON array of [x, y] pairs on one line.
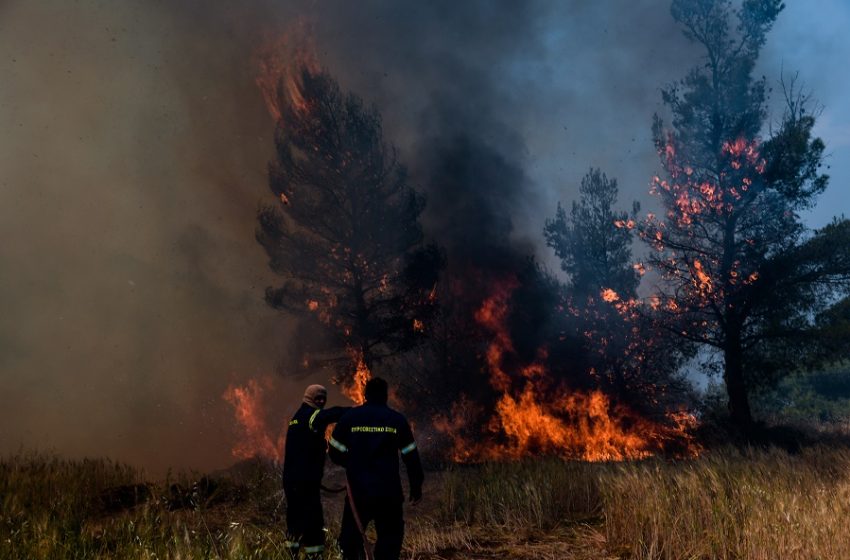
[[602, 324], [345, 235], [731, 241]]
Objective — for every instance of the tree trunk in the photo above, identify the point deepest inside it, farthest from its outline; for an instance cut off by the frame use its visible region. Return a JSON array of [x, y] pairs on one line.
[[362, 327], [733, 375]]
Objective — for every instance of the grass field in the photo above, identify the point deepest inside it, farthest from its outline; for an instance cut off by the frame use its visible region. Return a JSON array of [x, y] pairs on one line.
[[728, 504]]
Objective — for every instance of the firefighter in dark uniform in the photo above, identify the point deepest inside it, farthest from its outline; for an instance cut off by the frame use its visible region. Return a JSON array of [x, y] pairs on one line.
[[303, 467], [367, 441]]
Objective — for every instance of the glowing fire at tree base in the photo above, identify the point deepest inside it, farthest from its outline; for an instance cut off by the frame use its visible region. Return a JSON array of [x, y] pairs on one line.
[[533, 416], [355, 388], [579, 426]]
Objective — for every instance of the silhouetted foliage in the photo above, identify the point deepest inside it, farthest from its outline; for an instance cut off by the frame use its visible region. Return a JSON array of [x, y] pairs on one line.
[[345, 236], [604, 336], [594, 242]]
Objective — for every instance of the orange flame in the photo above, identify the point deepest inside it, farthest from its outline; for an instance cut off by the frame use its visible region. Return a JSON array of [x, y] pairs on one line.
[[256, 437], [355, 389], [542, 418], [610, 295], [701, 279]]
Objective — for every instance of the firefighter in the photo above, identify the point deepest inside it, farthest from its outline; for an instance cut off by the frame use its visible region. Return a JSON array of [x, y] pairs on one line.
[[367, 441], [303, 467]]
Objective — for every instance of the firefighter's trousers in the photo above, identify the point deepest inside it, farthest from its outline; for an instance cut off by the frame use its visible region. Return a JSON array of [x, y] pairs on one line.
[[304, 519], [388, 516]]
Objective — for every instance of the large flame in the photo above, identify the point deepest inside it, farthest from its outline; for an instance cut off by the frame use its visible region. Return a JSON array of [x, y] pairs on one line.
[[535, 415], [257, 438]]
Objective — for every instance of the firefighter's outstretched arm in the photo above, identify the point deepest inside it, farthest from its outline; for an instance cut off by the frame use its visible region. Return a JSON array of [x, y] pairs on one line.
[[324, 417], [338, 444]]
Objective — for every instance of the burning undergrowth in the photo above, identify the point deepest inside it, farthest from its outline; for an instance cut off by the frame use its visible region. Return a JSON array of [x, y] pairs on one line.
[[534, 404]]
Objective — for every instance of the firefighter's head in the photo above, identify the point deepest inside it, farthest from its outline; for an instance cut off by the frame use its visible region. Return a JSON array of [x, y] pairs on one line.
[[316, 396], [376, 391]]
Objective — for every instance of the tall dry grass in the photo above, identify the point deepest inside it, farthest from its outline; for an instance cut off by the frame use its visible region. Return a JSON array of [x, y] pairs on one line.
[[728, 504], [534, 494], [732, 505], [97, 509]]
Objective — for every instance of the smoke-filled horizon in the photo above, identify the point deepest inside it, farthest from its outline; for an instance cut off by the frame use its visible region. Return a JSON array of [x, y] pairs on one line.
[[134, 153]]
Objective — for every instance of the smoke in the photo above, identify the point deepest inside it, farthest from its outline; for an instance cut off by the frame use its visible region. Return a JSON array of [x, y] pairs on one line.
[[499, 111], [130, 286], [133, 158]]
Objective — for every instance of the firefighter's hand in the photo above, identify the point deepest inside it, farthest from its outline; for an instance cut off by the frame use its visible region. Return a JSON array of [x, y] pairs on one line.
[[415, 496]]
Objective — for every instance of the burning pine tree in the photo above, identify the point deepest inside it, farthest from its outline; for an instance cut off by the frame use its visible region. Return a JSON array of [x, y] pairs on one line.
[[731, 245], [344, 234]]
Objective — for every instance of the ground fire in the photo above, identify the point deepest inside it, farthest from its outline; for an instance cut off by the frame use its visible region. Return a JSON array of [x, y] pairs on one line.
[[535, 414]]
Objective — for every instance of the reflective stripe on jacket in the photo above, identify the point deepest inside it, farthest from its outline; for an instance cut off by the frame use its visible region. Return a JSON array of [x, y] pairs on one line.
[[304, 459]]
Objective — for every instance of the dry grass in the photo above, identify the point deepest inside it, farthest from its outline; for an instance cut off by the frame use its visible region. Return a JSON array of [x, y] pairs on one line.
[[728, 504], [529, 495], [732, 505]]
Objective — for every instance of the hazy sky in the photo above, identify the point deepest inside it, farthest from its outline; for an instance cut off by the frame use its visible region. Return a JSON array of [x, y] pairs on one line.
[[133, 152]]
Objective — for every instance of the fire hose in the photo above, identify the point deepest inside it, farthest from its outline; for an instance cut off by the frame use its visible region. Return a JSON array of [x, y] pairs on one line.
[[367, 546]]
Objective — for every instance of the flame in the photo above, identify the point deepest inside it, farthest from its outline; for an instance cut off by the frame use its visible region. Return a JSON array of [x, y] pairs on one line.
[[256, 439], [281, 64], [492, 315], [533, 415], [609, 295], [355, 388], [592, 433], [701, 279]]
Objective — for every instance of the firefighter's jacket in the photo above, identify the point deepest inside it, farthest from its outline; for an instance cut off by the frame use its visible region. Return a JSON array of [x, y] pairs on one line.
[[367, 441], [304, 461]]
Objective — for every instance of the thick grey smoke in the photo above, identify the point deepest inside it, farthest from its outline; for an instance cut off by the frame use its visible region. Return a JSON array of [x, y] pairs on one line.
[[499, 110], [133, 156]]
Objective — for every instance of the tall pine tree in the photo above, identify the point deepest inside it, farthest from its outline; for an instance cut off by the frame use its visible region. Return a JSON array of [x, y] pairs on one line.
[[732, 198], [345, 235], [592, 243]]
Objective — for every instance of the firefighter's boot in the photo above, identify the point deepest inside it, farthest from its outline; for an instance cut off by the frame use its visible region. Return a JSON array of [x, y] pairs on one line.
[[291, 549], [314, 552]]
